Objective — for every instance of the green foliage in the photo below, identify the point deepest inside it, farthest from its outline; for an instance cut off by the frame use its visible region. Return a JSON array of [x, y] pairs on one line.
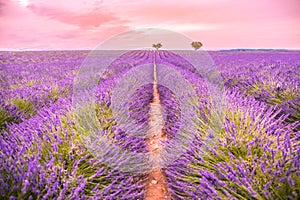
[[275, 96], [244, 145], [104, 115], [25, 106], [6, 118], [56, 92], [33, 82], [64, 144]]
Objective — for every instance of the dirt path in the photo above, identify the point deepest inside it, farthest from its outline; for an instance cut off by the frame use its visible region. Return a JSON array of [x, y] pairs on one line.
[[156, 186]]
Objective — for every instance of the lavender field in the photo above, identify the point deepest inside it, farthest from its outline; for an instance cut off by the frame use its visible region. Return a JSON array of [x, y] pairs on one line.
[[253, 154]]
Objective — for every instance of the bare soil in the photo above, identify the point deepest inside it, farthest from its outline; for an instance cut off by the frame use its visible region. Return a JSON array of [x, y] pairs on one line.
[[156, 187]]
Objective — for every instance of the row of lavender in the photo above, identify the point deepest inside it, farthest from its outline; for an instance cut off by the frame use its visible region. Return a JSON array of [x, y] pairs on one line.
[[272, 77], [42, 155], [31, 80], [255, 136], [257, 154]]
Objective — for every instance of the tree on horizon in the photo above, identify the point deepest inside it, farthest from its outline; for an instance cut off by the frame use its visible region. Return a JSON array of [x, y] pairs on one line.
[[196, 45], [157, 45]]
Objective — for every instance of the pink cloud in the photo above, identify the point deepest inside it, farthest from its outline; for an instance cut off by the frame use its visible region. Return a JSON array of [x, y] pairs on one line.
[[2, 5], [94, 18]]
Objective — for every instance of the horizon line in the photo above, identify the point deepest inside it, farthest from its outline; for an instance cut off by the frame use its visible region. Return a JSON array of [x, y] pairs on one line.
[[90, 49]]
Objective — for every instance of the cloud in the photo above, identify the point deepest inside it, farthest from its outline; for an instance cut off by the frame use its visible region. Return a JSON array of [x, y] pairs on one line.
[[1, 7], [94, 18]]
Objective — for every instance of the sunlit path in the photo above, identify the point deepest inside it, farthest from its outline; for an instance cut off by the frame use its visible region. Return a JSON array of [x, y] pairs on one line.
[[156, 186]]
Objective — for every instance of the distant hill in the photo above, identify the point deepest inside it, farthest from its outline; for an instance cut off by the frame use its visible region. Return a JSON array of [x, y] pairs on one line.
[[226, 50]]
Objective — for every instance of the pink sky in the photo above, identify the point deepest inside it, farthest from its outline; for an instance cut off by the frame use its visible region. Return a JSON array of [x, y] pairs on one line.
[[84, 24]]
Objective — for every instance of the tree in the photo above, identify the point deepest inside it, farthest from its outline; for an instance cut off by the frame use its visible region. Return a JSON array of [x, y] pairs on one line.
[[197, 45], [157, 46]]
